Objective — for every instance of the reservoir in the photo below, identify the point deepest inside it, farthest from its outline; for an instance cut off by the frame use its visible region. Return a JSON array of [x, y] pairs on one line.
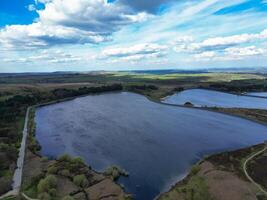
[[210, 98], [156, 144], [259, 94]]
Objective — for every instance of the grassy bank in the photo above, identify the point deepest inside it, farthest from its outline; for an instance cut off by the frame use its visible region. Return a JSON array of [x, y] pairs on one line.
[[218, 176], [19, 92], [12, 113]]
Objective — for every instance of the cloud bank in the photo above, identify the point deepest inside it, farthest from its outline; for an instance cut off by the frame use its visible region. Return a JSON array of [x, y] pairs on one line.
[[70, 22]]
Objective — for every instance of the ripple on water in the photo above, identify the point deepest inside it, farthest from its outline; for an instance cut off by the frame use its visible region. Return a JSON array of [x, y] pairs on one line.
[[155, 143]]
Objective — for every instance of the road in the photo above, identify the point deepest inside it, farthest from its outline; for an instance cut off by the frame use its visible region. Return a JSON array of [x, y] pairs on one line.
[[248, 176], [17, 178]]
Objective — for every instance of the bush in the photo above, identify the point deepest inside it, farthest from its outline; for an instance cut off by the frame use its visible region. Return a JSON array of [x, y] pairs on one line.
[[52, 169], [47, 183], [76, 164], [195, 169], [78, 161], [65, 172], [80, 180], [115, 172], [64, 158]]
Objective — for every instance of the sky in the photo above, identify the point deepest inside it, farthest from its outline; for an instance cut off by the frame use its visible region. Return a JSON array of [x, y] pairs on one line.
[[86, 35]]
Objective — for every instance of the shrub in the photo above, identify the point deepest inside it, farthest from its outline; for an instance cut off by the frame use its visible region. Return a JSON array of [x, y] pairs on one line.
[[47, 183], [80, 180], [78, 161], [52, 169], [65, 172], [115, 172], [195, 169], [76, 164], [65, 158]]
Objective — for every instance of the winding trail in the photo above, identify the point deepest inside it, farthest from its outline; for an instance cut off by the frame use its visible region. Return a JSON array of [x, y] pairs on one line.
[[246, 173], [17, 178]]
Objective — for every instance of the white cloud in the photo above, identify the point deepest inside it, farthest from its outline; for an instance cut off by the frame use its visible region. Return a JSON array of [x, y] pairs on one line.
[[205, 55], [31, 7], [244, 51], [138, 49], [70, 22], [220, 43], [47, 57], [134, 53], [232, 53]]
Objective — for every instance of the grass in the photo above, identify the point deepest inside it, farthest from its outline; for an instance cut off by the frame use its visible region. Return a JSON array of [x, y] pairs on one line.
[[211, 77], [195, 189], [42, 86]]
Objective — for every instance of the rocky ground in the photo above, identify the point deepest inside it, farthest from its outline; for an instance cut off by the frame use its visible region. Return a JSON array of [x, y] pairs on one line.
[[68, 178], [220, 177]]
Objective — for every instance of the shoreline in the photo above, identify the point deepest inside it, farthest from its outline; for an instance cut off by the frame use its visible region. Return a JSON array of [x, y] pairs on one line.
[[192, 174], [208, 109]]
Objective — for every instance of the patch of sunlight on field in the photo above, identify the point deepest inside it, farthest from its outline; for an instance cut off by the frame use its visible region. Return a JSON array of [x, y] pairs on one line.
[[212, 77]]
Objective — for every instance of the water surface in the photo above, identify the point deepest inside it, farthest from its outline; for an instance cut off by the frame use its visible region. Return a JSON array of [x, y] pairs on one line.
[[202, 97], [259, 94], [156, 144]]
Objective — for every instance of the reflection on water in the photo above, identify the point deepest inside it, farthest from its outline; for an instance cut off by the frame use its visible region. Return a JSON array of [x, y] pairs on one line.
[[259, 94], [155, 143], [201, 97]]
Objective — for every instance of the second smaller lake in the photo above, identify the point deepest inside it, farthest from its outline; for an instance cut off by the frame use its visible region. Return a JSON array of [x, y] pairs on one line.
[[258, 94], [202, 97]]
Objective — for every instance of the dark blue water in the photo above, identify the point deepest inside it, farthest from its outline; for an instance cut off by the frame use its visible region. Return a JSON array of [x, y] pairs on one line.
[[156, 144], [201, 97], [259, 94]]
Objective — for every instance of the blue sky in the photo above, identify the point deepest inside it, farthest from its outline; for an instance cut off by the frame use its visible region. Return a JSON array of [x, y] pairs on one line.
[[83, 35]]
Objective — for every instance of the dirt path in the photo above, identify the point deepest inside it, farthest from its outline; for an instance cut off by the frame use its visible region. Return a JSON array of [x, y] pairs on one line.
[[248, 176]]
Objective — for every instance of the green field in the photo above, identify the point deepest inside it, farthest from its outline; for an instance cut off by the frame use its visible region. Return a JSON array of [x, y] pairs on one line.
[[19, 92]]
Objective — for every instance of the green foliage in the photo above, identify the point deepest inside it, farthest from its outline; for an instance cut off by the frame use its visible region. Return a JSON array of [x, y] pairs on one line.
[[78, 161], [65, 173], [115, 172], [52, 169], [195, 169], [197, 189], [80, 180], [47, 183], [64, 158]]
